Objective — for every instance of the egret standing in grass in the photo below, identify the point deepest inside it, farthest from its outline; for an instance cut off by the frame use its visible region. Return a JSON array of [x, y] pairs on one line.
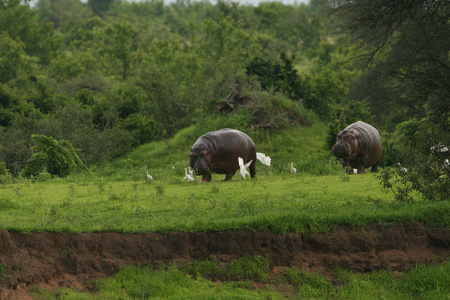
[[149, 177], [243, 171], [293, 170], [191, 172], [188, 177]]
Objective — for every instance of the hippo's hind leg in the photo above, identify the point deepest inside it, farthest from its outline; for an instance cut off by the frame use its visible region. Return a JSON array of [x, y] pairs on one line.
[[229, 176], [374, 168], [252, 169]]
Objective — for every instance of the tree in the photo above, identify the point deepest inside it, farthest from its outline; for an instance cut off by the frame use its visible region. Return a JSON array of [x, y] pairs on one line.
[[100, 6], [410, 42], [22, 24], [121, 43], [12, 57]]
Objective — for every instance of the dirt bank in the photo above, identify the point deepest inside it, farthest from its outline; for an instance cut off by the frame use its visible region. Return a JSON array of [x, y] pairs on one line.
[[71, 260]]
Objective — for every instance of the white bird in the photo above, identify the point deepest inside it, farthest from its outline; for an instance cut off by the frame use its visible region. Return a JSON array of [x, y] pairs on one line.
[[188, 177], [243, 171], [265, 160], [355, 171], [293, 170], [149, 177], [191, 172], [439, 148], [403, 169]]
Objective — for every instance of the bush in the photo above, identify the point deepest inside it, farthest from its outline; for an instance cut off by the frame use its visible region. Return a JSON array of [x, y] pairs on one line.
[[422, 150], [58, 157]]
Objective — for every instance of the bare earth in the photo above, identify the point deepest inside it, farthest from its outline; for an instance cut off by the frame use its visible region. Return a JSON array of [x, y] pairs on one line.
[[54, 260]]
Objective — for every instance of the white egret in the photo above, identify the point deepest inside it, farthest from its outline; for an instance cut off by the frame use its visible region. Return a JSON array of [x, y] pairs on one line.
[[293, 170], [149, 177], [188, 177], [243, 171], [265, 160]]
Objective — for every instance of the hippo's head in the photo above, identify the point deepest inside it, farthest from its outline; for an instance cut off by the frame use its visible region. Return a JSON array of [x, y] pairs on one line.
[[200, 160], [346, 144]]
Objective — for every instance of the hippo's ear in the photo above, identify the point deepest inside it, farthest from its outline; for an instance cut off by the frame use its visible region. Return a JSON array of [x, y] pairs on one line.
[[352, 134]]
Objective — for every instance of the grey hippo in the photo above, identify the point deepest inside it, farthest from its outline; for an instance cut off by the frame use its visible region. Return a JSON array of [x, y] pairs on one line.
[[218, 152], [358, 146]]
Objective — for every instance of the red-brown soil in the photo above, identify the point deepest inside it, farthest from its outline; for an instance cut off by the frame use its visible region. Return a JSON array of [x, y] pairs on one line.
[[72, 260]]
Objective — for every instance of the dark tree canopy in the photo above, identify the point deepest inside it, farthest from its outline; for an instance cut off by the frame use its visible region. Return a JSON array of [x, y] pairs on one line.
[[410, 41]]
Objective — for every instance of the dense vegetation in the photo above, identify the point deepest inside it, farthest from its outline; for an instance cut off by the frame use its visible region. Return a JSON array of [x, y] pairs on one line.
[[98, 79]]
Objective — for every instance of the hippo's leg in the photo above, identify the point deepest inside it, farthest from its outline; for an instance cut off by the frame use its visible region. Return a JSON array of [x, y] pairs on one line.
[[229, 176], [206, 178], [361, 169], [346, 166], [374, 168], [252, 169]]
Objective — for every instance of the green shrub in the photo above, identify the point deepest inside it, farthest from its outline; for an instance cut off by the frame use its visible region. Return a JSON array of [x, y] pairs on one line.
[[250, 268], [58, 157], [422, 153]]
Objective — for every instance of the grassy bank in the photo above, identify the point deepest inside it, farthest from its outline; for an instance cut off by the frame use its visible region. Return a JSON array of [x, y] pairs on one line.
[[277, 202], [248, 279]]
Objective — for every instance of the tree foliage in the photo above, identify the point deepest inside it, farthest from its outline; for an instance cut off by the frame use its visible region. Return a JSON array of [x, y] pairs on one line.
[[409, 41], [58, 158]]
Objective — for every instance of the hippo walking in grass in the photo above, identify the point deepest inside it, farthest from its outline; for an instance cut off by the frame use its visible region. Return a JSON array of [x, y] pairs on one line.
[[358, 146], [218, 152]]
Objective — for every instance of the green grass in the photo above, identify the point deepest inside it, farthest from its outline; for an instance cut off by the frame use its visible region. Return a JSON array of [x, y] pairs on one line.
[[171, 282], [277, 202], [116, 197]]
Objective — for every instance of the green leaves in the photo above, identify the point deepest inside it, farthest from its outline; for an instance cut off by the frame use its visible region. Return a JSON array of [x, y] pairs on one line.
[[57, 157]]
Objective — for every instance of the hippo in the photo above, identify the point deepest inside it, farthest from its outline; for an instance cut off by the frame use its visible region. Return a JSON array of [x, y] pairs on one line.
[[218, 152], [358, 146]]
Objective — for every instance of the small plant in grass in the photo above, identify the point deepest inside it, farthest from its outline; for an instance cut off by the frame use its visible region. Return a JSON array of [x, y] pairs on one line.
[[5, 175], [250, 268], [70, 196], [207, 268], [160, 190], [246, 207], [101, 186], [67, 251], [315, 281], [6, 203], [345, 177]]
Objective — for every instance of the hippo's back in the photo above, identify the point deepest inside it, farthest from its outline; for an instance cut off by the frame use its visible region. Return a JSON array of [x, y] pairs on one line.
[[367, 132]]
